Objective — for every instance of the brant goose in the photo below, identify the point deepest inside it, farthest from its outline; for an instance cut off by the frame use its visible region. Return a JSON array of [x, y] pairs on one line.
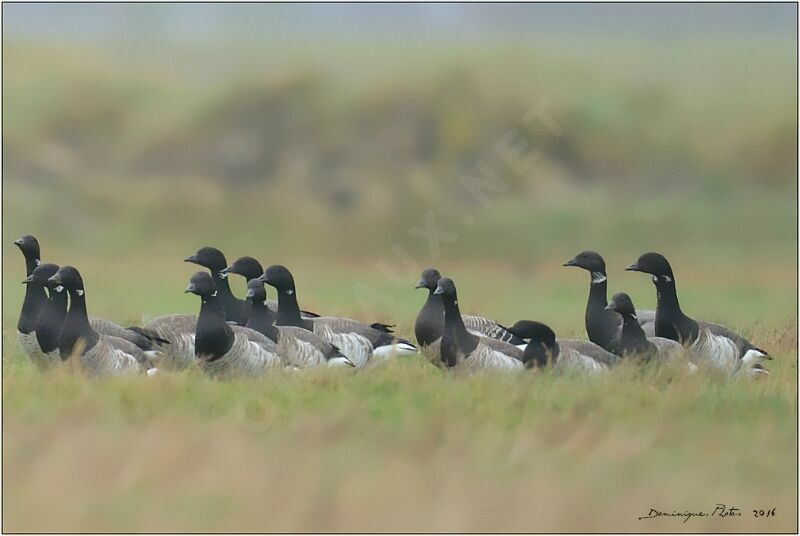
[[429, 325], [463, 351], [299, 347], [632, 341], [601, 325], [213, 259], [42, 349], [250, 269], [34, 297], [221, 351], [360, 342], [707, 343], [564, 354], [98, 354]]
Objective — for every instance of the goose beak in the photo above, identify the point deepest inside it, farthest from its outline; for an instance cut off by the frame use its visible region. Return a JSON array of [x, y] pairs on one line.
[[55, 279], [251, 293], [609, 307], [633, 267], [420, 284], [191, 258], [190, 288], [571, 262], [225, 271], [27, 280], [18, 242], [438, 291]]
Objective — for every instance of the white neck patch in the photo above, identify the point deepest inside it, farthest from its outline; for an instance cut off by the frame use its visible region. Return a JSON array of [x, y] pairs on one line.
[[598, 277], [37, 262], [214, 293], [59, 288], [223, 275], [666, 278], [79, 292], [290, 292]]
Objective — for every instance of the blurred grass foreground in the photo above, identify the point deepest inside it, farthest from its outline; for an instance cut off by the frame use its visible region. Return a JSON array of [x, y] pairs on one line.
[[333, 139]]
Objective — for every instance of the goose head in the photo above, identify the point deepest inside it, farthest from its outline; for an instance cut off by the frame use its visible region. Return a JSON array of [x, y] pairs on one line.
[[429, 279], [447, 290], [41, 275], [588, 260], [248, 267], [542, 346], [202, 284], [210, 258], [67, 277], [256, 293], [622, 304], [654, 264], [279, 277]]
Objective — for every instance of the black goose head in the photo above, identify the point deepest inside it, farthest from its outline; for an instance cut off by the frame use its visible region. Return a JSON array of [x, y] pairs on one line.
[[279, 277], [654, 264], [622, 304], [542, 346], [248, 267], [68, 278], [202, 284], [588, 260], [447, 290], [29, 246], [429, 279], [41, 275], [210, 258], [256, 293]]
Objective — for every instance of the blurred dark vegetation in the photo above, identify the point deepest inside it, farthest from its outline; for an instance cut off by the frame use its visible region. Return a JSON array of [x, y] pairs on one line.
[[322, 135]]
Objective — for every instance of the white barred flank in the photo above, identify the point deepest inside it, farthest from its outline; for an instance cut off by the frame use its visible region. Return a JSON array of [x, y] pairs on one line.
[[486, 327], [483, 357], [179, 331], [356, 347], [386, 352], [298, 353], [105, 359], [30, 346], [573, 360], [716, 351], [244, 359]]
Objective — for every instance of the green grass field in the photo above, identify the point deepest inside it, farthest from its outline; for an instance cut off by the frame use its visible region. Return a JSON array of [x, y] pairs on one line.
[[403, 447]]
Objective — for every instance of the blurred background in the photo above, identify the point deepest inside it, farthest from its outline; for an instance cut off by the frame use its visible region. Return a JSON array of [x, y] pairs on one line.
[[322, 136]]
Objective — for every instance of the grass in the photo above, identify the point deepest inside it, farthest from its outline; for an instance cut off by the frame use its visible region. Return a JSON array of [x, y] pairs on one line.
[[403, 447]]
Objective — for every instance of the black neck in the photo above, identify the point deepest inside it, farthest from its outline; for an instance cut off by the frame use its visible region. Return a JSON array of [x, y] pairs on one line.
[[31, 262], [430, 320], [233, 307], [213, 336], [633, 339], [671, 323], [50, 321], [262, 319], [32, 305], [289, 310], [456, 340], [601, 325], [76, 327]]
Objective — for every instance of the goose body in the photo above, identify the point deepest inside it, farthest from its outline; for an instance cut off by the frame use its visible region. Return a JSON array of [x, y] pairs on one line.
[[178, 330], [98, 355], [463, 351], [361, 343], [706, 344], [300, 347], [429, 324], [632, 341], [222, 351], [602, 326], [564, 355]]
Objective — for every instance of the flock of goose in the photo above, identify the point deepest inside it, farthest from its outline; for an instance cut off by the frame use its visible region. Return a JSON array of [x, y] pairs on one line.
[[254, 336]]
